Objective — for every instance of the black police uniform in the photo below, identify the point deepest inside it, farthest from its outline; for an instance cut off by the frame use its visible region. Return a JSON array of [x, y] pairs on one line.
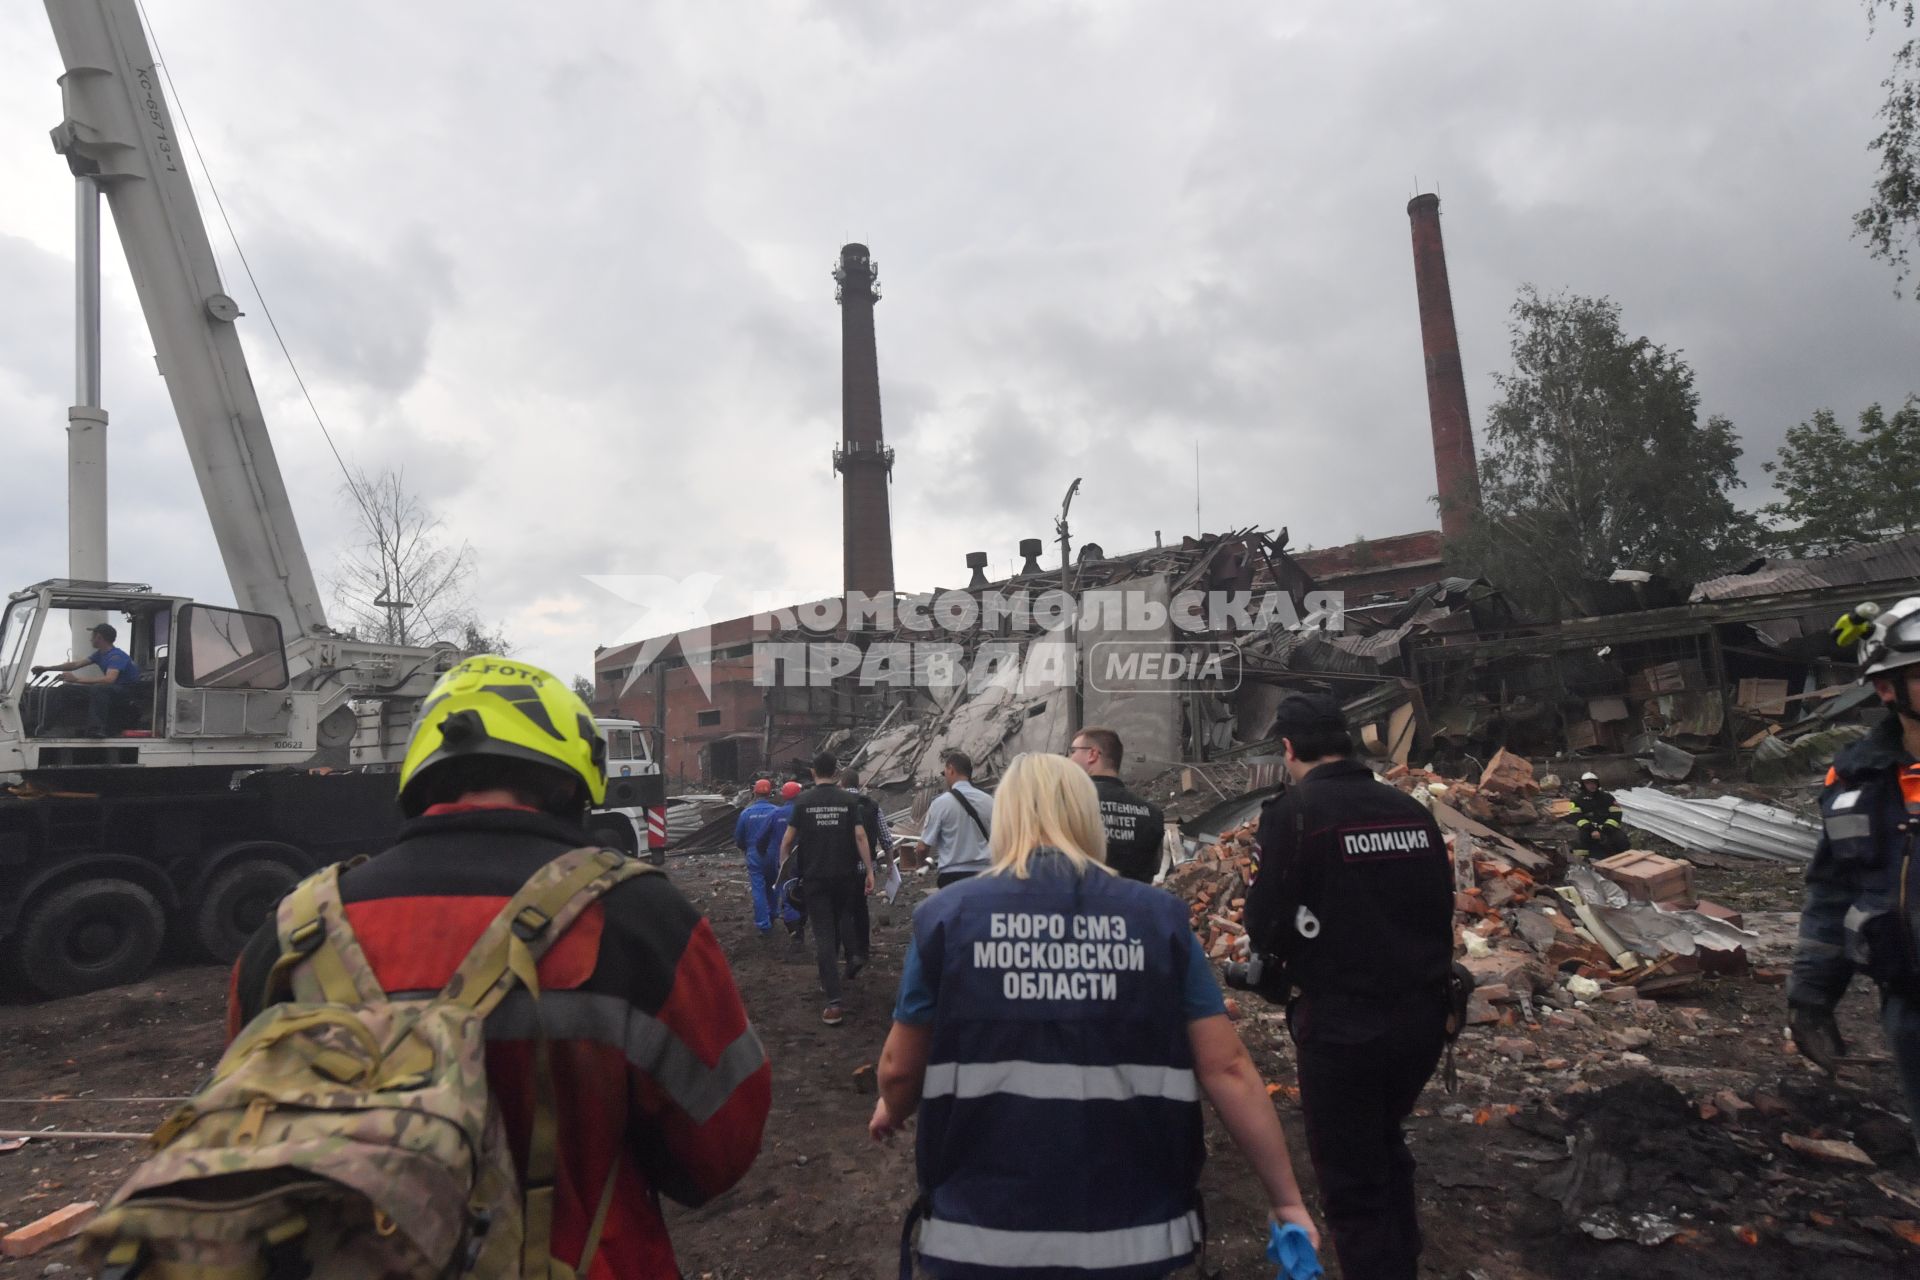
[[1597, 814], [824, 821], [1369, 1019], [858, 946], [1135, 830]]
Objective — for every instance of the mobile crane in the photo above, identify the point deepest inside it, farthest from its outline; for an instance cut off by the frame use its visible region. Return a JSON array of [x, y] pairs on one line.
[[204, 799]]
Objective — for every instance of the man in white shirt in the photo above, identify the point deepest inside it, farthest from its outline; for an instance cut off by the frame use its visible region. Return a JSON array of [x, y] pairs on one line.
[[957, 823]]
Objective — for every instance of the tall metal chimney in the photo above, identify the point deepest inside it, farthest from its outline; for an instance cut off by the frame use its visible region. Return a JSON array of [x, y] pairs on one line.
[[1454, 466], [862, 457]]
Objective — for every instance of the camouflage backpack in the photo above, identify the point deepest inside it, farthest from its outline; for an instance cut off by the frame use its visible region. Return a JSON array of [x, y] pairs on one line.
[[349, 1136]]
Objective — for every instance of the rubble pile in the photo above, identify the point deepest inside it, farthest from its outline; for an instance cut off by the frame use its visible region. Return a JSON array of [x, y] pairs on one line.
[[1504, 796], [1618, 933], [1630, 919], [1638, 1161], [1634, 1104], [1214, 886]]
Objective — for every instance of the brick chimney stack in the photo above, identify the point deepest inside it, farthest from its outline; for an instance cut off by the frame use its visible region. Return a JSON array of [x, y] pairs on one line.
[[862, 458], [1453, 460]]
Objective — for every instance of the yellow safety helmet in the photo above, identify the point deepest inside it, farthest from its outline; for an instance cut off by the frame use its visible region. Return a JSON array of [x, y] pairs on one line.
[[510, 710]]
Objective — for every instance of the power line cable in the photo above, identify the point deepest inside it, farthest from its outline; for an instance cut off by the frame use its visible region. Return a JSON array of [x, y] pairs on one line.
[[186, 127]]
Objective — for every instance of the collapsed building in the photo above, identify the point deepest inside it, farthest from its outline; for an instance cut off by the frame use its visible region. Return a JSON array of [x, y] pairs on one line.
[[1431, 666], [1741, 662], [719, 713], [1184, 649]]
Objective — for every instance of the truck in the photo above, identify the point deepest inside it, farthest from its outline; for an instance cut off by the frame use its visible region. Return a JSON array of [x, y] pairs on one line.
[[258, 743], [634, 816]]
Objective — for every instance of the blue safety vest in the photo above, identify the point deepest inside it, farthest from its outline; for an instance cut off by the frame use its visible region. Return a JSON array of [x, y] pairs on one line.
[[1060, 1122]]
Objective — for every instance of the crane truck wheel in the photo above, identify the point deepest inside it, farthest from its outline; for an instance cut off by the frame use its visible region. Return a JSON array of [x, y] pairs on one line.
[[90, 935], [609, 836], [236, 901]]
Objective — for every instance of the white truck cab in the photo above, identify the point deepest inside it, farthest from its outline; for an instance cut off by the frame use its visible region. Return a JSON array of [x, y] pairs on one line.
[[634, 816]]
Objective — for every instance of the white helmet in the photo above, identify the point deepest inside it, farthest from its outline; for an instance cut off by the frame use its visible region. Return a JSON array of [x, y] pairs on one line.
[[1892, 642], [1589, 776]]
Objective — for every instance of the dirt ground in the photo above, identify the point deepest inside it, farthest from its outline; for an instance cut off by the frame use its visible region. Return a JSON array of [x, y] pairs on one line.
[[1533, 1145]]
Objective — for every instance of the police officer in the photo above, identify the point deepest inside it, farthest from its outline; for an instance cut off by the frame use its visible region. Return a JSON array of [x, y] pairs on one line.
[[833, 855], [1859, 911], [1597, 815], [880, 840], [1354, 900], [1135, 829]]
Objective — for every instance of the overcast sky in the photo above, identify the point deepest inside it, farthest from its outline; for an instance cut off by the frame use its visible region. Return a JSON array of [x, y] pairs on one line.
[[567, 264]]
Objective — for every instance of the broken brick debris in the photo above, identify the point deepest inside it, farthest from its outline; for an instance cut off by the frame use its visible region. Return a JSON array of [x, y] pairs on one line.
[[1214, 886], [1647, 1164], [1515, 933]]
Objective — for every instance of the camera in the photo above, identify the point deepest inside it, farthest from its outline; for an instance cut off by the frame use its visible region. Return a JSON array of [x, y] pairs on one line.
[[1245, 975], [1264, 975]]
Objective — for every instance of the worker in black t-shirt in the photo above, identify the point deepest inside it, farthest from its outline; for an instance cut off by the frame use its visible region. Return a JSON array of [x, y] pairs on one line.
[[1135, 828], [834, 853]]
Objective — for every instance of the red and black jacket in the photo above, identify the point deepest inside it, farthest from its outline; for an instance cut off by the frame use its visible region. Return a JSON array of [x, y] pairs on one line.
[[654, 1061]]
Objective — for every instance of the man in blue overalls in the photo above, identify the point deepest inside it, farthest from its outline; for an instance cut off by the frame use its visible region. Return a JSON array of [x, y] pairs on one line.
[[763, 859]]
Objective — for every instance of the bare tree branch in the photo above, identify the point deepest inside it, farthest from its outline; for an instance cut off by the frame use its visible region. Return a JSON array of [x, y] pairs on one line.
[[401, 583]]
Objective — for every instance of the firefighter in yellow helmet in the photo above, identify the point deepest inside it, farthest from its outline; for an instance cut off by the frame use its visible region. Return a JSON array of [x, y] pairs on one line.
[[504, 761], [495, 720]]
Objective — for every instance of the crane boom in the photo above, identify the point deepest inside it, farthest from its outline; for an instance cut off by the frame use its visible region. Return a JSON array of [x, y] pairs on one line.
[[118, 130]]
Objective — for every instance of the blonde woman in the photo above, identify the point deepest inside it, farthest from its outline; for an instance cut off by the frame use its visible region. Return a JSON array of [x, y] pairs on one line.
[[1056, 1026]]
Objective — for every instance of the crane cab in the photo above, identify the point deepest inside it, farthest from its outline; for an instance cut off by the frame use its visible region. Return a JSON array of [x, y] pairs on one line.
[[211, 685]]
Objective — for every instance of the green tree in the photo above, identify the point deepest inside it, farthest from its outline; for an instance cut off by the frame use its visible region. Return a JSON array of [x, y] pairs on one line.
[[1890, 224], [583, 687], [1839, 488], [1595, 459]]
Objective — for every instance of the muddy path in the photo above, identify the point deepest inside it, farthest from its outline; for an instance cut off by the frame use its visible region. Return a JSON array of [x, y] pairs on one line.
[[823, 1201]]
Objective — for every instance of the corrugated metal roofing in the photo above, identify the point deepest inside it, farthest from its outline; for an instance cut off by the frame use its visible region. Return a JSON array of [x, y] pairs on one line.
[[1381, 646], [1875, 562], [1721, 824]]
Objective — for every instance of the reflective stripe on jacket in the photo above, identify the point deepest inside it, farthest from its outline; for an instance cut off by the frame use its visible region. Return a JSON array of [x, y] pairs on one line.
[[1861, 912], [1060, 1126]]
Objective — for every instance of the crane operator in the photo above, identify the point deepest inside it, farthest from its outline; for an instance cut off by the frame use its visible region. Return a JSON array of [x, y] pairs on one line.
[[109, 693]]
